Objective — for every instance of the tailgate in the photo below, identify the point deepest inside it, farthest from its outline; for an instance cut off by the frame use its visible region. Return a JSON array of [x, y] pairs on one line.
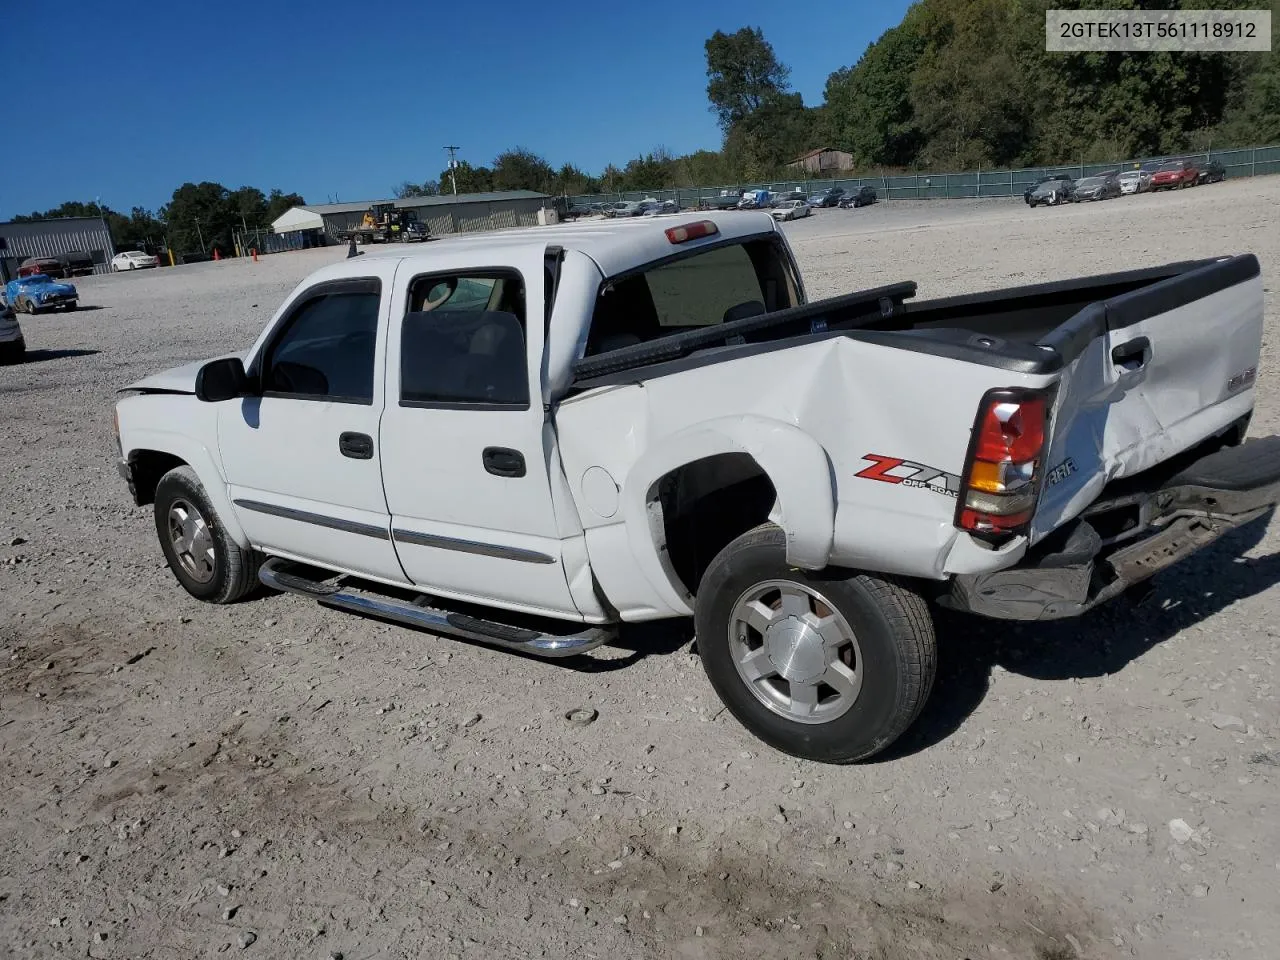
[[1149, 374]]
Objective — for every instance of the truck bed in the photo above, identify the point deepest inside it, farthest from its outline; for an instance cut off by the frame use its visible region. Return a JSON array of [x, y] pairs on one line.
[[1028, 329]]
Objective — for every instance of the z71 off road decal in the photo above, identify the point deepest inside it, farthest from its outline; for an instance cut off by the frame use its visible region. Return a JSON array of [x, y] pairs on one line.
[[910, 474]]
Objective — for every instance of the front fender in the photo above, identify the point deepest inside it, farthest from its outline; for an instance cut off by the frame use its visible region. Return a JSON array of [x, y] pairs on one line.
[[198, 457], [796, 464]]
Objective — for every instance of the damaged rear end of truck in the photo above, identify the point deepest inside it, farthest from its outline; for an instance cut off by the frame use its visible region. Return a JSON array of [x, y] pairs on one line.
[[1027, 453]]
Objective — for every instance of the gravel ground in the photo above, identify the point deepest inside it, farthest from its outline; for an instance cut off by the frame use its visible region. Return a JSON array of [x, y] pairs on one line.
[[278, 780]]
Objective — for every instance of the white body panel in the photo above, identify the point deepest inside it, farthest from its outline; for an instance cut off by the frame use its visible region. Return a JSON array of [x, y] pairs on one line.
[[285, 472], [491, 538], [1118, 422]]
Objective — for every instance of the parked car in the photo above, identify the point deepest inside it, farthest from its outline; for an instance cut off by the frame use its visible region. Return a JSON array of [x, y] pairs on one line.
[[1103, 186], [827, 198], [623, 208], [1175, 175], [48, 266], [40, 292], [1053, 192], [791, 210], [652, 207], [77, 263], [756, 200], [862, 197], [726, 200], [1031, 187], [133, 260], [1134, 181], [1212, 172], [12, 346]]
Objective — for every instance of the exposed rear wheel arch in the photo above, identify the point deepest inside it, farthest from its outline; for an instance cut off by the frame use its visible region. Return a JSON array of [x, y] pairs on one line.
[[707, 504]]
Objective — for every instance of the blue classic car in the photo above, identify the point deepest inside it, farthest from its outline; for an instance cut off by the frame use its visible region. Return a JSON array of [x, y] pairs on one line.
[[40, 292]]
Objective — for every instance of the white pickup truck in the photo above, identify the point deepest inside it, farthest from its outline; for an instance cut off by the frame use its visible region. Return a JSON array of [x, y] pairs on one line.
[[532, 437]]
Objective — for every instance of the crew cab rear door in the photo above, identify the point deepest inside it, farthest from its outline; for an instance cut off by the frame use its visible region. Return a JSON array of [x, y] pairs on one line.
[[1150, 373], [468, 454]]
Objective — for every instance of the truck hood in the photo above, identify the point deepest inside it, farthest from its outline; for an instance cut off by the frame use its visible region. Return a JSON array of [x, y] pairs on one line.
[[177, 379]]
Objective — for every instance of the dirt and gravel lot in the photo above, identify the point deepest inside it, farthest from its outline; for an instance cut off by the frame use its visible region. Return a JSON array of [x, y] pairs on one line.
[[276, 780]]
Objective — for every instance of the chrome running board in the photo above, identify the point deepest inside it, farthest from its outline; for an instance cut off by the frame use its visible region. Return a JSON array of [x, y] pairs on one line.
[[282, 575]]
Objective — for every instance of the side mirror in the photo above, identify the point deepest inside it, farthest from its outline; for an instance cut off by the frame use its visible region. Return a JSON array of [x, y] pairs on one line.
[[221, 380]]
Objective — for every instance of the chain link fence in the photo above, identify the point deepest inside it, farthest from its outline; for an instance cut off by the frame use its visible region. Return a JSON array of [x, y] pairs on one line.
[[1247, 162]]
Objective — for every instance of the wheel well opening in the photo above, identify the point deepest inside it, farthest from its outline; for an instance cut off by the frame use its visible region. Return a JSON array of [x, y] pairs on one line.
[[148, 467], [706, 505]]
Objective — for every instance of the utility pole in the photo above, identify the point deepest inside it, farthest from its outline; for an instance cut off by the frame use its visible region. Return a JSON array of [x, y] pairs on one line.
[[453, 163], [200, 234]]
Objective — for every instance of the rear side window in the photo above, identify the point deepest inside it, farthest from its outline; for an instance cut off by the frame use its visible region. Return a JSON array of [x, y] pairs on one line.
[[462, 343], [708, 288], [327, 348]]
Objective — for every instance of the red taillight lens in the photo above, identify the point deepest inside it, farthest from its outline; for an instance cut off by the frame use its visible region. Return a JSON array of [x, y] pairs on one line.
[[1001, 481], [1011, 431], [692, 231]]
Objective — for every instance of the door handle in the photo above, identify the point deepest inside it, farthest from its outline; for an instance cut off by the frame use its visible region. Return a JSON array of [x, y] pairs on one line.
[[1131, 355], [357, 446], [503, 461]]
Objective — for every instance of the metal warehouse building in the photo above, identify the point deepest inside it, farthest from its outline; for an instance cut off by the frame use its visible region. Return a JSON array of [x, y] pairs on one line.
[[52, 238], [318, 223]]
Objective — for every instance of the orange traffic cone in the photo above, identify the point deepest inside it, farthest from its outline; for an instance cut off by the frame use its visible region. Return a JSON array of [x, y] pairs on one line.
[[216, 254]]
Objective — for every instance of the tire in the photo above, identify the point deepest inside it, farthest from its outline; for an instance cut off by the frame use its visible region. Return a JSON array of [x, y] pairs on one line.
[[71, 306], [212, 567], [879, 649], [14, 351]]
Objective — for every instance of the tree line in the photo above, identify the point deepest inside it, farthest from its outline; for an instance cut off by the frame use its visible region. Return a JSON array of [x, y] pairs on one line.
[[957, 85], [198, 217]]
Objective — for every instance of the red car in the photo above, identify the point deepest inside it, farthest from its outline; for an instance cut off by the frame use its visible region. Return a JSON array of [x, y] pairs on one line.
[[49, 266], [1175, 174]]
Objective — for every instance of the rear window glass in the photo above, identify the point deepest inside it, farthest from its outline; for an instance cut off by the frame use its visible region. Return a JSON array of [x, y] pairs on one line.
[[711, 287]]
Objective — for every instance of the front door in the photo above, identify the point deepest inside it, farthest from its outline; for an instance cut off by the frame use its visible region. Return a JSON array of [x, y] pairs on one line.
[[302, 460], [468, 455]]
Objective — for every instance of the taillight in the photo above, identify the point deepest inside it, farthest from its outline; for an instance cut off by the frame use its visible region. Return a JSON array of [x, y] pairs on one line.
[[1001, 481]]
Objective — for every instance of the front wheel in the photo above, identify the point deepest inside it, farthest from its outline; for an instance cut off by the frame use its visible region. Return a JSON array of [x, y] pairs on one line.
[[827, 666], [209, 564]]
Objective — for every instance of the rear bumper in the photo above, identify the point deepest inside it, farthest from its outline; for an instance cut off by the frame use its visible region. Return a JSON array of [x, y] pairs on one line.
[[1127, 537]]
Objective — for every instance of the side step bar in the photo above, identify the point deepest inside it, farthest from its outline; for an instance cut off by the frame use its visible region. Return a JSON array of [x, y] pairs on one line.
[[282, 575]]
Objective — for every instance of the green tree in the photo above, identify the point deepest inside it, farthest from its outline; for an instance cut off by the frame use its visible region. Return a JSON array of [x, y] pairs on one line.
[[761, 144], [521, 169], [278, 202], [409, 189], [743, 74], [201, 217], [470, 179], [869, 109]]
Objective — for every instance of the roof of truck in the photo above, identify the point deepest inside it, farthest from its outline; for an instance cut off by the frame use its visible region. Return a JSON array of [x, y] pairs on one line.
[[616, 245]]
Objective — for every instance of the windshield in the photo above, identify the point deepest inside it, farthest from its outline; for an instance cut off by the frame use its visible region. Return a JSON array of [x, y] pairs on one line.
[[1089, 182], [1130, 175], [1171, 168]]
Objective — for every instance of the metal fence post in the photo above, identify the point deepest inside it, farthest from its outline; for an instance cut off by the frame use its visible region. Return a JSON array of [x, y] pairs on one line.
[[1253, 161]]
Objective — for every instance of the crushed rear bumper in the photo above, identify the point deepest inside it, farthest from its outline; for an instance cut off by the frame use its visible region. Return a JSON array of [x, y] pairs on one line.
[[1129, 535]]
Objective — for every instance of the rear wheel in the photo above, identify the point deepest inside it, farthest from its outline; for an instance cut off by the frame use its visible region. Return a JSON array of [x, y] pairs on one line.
[[209, 564], [826, 666]]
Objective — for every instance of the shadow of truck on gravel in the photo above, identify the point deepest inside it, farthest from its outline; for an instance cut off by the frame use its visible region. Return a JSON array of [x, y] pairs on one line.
[[1098, 644]]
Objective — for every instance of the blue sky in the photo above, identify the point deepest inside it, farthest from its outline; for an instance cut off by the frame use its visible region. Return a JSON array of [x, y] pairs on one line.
[[350, 98]]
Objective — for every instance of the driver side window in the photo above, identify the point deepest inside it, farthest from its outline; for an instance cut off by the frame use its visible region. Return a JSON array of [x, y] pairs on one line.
[[326, 351]]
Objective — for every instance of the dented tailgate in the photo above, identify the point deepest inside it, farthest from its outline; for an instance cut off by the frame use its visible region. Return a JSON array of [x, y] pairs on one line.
[[1150, 374]]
